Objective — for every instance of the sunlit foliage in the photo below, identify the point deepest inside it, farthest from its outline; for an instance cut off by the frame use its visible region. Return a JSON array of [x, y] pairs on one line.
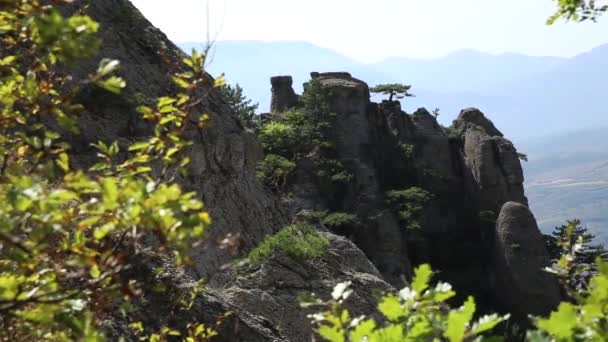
[[68, 235]]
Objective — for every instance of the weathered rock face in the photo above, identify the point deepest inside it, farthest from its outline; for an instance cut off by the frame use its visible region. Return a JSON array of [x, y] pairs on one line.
[[468, 174], [223, 156], [271, 291], [158, 309], [283, 96], [497, 176], [521, 285], [355, 147]]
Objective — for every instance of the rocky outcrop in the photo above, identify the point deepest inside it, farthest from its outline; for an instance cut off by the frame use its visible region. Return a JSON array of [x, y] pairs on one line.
[[158, 309], [283, 96], [520, 284], [271, 290], [497, 176], [471, 173]]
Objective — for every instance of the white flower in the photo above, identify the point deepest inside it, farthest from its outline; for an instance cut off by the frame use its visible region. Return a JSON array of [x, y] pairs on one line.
[[443, 287], [407, 294], [356, 321], [318, 317], [340, 291]]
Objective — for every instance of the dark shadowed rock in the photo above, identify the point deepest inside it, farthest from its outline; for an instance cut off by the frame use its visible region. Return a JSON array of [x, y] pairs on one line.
[[223, 155], [283, 96], [354, 143], [520, 284]]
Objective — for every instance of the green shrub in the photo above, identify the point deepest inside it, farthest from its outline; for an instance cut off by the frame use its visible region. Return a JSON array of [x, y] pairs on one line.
[[243, 108], [409, 205], [298, 241], [339, 219], [279, 138], [452, 133], [274, 171], [408, 150]]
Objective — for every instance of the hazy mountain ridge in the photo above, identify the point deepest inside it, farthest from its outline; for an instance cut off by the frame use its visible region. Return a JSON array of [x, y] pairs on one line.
[[527, 96], [534, 100]]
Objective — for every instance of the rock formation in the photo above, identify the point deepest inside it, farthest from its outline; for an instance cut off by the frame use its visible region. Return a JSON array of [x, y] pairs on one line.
[[493, 161], [283, 96], [472, 170], [471, 174], [518, 264]]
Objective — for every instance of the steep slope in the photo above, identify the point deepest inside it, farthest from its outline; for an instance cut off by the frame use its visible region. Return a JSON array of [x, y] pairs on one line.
[[470, 174], [223, 158]]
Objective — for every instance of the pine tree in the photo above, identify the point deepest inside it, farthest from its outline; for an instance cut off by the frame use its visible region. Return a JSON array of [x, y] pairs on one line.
[[397, 90], [241, 106]]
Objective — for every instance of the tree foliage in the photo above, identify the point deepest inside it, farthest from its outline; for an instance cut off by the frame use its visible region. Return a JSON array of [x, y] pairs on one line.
[[574, 255], [396, 90], [409, 205], [419, 312], [67, 236], [578, 10], [241, 106], [302, 132]]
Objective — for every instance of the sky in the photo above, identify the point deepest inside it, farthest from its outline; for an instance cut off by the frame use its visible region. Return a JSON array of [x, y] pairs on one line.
[[370, 31]]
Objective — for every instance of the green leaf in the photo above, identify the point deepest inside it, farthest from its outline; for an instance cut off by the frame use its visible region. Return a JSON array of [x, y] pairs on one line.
[[107, 66], [63, 162], [9, 286], [391, 308], [113, 84], [363, 331], [458, 321], [422, 277], [109, 192], [333, 334], [561, 323], [95, 272], [486, 323]]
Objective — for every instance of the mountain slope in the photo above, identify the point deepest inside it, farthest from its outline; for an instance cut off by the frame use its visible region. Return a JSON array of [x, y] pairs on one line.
[[567, 178]]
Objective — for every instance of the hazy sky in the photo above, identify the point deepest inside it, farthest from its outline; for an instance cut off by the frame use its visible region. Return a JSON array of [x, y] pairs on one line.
[[373, 30]]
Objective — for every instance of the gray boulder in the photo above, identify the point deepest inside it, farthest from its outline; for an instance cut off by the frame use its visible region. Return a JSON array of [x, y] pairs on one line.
[[519, 282], [271, 290]]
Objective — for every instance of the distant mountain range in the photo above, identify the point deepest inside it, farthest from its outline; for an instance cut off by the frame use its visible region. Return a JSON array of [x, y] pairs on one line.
[[526, 96], [554, 109]]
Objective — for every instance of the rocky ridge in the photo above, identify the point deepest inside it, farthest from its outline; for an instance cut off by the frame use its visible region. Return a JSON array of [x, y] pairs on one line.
[[473, 174]]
